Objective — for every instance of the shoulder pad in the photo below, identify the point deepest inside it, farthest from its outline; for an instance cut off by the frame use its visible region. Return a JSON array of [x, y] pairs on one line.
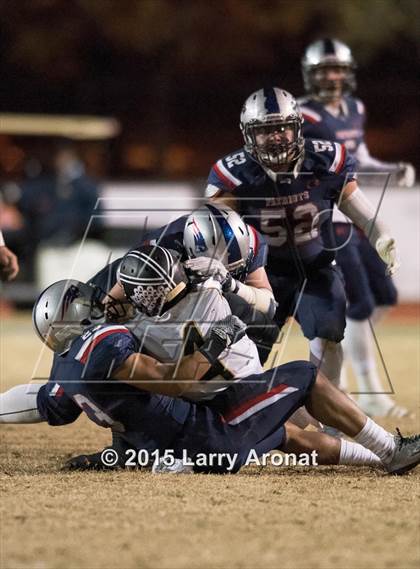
[[228, 172], [332, 155], [97, 336], [310, 115]]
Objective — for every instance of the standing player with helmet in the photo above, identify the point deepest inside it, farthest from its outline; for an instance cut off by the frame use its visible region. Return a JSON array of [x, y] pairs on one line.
[[332, 113], [286, 187]]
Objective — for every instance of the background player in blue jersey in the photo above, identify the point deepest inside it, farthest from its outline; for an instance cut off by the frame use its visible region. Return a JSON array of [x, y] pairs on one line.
[[99, 372], [331, 112], [286, 187]]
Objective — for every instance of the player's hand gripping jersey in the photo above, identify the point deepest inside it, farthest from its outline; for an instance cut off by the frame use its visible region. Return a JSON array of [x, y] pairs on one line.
[[293, 212]]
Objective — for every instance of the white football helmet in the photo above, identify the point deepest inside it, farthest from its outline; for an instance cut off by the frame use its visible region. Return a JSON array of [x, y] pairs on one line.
[[218, 232], [271, 124], [322, 55], [64, 310]]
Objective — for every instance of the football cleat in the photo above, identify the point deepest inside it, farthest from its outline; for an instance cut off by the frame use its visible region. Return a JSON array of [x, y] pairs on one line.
[[110, 458], [177, 467], [86, 462], [406, 455]]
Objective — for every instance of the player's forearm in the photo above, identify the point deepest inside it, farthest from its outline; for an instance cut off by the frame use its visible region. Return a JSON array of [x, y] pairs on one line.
[[147, 374], [261, 299], [362, 213]]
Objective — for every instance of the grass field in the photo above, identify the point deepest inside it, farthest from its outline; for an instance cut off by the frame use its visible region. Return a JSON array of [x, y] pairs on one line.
[[269, 517]]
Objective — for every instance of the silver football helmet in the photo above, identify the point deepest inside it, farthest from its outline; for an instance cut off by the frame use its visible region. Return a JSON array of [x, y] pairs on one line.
[[271, 124], [218, 232], [64, 310], [321, 56]]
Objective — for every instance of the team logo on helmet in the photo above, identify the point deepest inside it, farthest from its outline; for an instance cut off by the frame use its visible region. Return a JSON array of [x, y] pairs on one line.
[[199, 241]]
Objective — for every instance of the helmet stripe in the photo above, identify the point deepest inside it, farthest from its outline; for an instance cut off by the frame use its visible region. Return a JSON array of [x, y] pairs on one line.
[[160, 271], [233, 249], [271, 103], [329, 47]]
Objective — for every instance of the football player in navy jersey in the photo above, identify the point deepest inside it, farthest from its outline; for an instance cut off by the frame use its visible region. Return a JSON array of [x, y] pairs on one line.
[[331, 112], [101, 372], [286, 187]]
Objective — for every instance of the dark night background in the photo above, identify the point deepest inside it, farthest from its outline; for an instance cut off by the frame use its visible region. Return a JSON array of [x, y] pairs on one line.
[[176, 72]]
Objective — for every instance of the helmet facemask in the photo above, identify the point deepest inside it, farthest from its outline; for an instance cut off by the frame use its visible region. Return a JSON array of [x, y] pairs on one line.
[[275, 143], [153, 279], [327, 89]]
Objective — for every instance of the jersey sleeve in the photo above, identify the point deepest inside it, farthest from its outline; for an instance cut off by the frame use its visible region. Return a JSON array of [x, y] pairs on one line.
[[260, 248], [104, 350], [225, 173], [313, 126], [344, 164], [332, 158]]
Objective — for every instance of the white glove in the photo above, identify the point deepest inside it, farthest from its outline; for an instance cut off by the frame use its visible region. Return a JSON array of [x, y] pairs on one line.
[[205, 267], [387, 251], [406, 175]]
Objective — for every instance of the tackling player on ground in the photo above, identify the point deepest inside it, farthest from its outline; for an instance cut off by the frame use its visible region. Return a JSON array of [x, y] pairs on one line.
[[100, 371]]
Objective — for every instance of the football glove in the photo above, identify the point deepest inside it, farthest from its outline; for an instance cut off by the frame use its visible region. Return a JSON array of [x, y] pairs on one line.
[[406, 175], [203, 268], [387, 251], [221, 335]]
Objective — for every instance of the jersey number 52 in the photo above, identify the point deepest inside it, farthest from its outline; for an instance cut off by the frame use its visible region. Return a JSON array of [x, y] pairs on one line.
[[276, 224]]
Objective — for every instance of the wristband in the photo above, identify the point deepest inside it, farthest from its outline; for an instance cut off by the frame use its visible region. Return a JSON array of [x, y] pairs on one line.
[[214, 346]]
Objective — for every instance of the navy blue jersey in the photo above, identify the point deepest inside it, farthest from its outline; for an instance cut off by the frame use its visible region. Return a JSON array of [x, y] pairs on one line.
[[346, 128], [83, 376], [294, 212]]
